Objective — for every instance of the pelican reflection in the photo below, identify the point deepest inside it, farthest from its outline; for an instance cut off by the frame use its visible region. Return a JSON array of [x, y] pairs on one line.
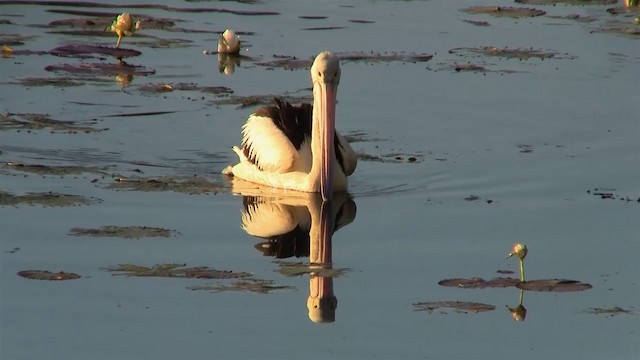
[[299, 226]]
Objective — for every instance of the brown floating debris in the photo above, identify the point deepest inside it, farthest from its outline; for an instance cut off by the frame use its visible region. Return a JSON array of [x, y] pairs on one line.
[[504, 11], [462, 307], [298, 269], [48, 275], [255, 100], [126, 232], [612, 311], [391, 158], [295, 63], [477, 23]]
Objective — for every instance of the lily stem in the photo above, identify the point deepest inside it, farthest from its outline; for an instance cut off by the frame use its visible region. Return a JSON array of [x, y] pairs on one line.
[[522, 270]]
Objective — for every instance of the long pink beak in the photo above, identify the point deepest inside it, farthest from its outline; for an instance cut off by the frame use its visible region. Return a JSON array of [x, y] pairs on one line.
[[327, 133]]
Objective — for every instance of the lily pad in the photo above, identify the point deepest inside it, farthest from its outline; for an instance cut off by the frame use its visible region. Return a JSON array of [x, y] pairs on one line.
[[479, 283], [612, 311], [175, 271], [504, 11], [48, 275], [59, 170], [462, 307], [9, 121], [248, 285], [48, 199], [165, 87], [126, 232], [554, 285], [610, 194], [294, 63], [101, 69], [188, 185], [517, 53], [567, 2], [391, 158], [297, 269], [82, 50]]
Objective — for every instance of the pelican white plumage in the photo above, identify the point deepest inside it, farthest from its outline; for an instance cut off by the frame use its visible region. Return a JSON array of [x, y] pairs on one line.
[[297, 147]]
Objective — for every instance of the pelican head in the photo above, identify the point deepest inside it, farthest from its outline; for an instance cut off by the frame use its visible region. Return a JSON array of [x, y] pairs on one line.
[[325, 76], [229, 43]]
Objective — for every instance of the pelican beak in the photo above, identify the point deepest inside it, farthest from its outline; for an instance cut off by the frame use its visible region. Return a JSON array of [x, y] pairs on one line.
[[327, 130]]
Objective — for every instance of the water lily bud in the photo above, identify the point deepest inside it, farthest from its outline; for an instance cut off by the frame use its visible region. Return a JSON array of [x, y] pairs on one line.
[[519, 250], [229, 42]]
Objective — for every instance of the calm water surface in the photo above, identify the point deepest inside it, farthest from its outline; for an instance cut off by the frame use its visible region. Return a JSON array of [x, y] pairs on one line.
[[533, 137]]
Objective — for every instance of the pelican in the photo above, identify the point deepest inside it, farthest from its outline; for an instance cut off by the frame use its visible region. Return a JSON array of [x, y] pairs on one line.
[[297, 147]]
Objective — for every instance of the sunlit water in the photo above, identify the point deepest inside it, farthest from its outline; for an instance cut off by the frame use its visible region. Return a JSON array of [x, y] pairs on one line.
[[533, 142]]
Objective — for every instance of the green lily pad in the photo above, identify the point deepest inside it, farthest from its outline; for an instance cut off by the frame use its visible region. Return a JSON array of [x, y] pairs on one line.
[[291, 269], [188, 185], [9, 121]]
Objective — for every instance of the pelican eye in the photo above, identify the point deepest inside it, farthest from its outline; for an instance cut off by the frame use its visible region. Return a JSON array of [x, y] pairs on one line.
[[320, 73]]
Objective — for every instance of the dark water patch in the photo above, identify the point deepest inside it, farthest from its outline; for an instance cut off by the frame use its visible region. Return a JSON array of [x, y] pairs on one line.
[[391, 158], [502, 271], [188, 185], [575, 17], [360, 21], [551, 285], [85, 4], [174, 271], [12, 251], [460, 307], [504, 11], [567, 2], [312, 17], [525, 149], [82, 50], [6, 22], [324, 28], [293, 269], [609, 194], [48, 199], [360, 136], [125, 232], [257, 100], [248, 285], [476, 22], [142, 113], [101, 69], [478, 198], [28, 122], [56, 170], [612, 311], [48, 275], [516, 53]]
